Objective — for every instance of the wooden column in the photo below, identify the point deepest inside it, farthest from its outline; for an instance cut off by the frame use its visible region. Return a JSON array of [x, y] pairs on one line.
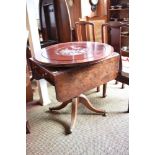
[[35, 46]]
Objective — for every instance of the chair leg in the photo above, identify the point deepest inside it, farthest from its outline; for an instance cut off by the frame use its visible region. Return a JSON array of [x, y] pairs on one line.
[[104, 90], [123, 85], [128, 109], [27, 127], [98, 89], [116, 82]]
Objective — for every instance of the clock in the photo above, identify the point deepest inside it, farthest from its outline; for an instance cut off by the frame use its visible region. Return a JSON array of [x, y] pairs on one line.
[[93, 4]]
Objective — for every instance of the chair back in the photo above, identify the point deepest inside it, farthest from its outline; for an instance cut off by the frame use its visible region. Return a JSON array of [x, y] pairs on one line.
[[97, 21], [114, 38], [84, 31]]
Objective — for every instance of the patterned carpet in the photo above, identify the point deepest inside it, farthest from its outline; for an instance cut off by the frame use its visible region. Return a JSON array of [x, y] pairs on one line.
[[93, 134]]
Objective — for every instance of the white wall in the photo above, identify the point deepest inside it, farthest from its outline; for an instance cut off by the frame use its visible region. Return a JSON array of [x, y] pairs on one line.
[[86, 9], [36, 7]]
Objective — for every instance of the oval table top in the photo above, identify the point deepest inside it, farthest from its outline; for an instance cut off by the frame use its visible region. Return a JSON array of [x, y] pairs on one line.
[[72, 54]]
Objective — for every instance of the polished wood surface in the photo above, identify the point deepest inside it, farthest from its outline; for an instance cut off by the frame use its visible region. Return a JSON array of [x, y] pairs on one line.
[[48, 23], [74, 11], [73, 53], [115, 39], [29, 93], [63, 21], [98, 21], [118, 10], [71, 82], [75, 101], [74, 113], [55, 21], [114, 36], [102, 8], [115, 30], [84, 31]]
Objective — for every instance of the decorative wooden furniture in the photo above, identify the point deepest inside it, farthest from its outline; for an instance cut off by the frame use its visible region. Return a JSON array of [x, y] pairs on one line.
[[29, 95], [123, 75], [85, 32], [55, 21], [125, 49], [97, 21], [71, 68], [93, 4], [48, 23], [74, 8], [125, 40], [114, 39], [102, 8], [118, 10]]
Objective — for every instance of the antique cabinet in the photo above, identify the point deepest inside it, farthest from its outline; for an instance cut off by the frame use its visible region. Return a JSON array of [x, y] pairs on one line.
[[118, 10], [54, 21], [48, 20]]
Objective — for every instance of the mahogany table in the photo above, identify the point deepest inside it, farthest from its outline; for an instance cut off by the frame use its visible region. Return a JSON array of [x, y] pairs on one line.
[[74, 68]]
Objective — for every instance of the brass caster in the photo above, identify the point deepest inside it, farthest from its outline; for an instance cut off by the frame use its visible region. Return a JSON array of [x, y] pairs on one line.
[[104, 114], [50, 109], [70, 131], [104, 96]]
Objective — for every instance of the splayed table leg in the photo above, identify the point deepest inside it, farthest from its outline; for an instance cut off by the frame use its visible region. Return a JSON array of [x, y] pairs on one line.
[[75, 101]]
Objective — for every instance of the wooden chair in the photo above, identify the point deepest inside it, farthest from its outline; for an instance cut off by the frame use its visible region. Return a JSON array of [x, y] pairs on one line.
[[85, 32], [115, 39], [97, 21], [124, 53], [29, 95]]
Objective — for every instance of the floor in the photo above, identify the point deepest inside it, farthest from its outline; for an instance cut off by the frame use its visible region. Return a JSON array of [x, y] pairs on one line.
[[93, 134]]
